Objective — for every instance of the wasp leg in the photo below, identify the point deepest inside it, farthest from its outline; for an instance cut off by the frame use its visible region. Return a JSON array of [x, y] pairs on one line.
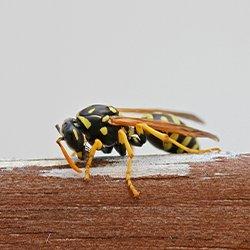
[[140, 128], [96, 146], [67, 157], [124, 140], [193, 151]]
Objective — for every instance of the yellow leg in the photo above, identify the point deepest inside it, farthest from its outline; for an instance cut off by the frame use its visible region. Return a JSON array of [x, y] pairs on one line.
[[140, 128], [67, 157], [193, 151], [124, 140], [96, 146]]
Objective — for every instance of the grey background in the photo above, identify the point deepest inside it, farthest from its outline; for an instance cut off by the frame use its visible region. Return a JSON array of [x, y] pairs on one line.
[[57, 57]]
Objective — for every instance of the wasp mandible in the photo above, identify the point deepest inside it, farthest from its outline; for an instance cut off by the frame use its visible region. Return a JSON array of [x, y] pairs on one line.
[[101, 127]]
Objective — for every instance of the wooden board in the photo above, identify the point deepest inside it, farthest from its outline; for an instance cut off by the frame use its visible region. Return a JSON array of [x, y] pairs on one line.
[[186, 202]]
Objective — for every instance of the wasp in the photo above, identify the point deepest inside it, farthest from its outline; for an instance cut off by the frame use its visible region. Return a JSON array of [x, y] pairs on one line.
[[102, 127]]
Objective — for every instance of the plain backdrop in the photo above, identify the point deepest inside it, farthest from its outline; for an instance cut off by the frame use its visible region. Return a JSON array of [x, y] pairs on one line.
[[57, 57]]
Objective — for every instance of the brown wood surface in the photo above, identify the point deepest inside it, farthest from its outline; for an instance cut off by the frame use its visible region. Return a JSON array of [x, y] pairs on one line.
[[208, 208]]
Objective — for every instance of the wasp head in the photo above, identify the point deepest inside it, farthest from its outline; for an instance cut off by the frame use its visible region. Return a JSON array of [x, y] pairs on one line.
[[73, 136]]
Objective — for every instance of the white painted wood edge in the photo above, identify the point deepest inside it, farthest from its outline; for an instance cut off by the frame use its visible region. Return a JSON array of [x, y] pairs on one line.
[[146, 165]]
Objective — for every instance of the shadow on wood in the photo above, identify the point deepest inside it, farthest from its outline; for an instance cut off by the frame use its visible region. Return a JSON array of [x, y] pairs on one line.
[[186, 202]]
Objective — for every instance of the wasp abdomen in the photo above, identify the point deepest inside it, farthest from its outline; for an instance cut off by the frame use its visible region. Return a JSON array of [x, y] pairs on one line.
[[187, 141]]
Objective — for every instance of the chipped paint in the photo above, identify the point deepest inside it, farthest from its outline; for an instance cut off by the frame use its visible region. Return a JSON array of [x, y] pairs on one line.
[[146, 165], [117, 170], [11, 164]]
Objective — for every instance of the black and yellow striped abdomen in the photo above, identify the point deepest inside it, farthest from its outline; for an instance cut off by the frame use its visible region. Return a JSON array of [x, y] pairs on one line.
[[187, 141]]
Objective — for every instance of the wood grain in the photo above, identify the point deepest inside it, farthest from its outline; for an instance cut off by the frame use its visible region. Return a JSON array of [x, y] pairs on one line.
[[208, 207]]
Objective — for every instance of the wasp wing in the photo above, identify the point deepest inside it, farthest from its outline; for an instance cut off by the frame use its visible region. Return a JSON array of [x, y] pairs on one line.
[[162, 126], [185, 115]]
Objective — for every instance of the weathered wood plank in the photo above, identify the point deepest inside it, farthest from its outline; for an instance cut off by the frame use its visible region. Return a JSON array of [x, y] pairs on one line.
[[186, 202]]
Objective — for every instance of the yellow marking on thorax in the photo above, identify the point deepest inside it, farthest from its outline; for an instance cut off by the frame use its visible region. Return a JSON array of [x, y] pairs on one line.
[[75, 134], [104, 130], [98, 116], [85, 121], [91, 110], [105, 118], [112, 109]]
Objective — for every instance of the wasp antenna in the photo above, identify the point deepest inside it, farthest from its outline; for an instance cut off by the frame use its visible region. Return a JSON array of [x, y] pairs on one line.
[[58, 128]]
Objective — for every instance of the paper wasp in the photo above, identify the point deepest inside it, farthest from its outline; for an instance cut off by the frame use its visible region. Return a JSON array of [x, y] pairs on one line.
[[103, 128]]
